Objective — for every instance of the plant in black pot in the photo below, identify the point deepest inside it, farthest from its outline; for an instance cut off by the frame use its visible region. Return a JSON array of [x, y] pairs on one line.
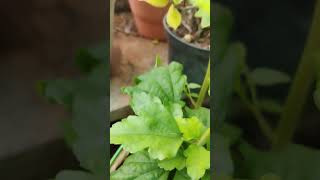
[[187, 24]]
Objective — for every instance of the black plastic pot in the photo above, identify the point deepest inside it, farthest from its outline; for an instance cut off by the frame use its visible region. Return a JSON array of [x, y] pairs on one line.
[[194, 59]]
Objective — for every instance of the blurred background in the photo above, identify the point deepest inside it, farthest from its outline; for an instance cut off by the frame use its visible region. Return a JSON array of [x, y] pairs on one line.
[[274, 33], [38, 41]]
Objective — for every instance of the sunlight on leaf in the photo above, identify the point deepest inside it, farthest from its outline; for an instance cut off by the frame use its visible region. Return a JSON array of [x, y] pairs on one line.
[[191, 128], [198, 161], [173, 17], [154, 128]]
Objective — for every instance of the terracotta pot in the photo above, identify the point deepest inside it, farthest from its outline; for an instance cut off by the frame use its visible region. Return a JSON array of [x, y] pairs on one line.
[[148, 19]]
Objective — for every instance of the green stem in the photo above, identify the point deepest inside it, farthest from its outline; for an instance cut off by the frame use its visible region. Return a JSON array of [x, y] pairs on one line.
[[262, 122], [300, 87], [114, 157], [188, 92], [204, 88], [204, 138]]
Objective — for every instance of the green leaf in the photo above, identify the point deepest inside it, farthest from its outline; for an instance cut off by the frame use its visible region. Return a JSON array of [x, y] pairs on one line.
[[139, 166], [206, 176], [158, 3], [203, 114], [70, 135], [270, 105], [230, 133], [222, 23], [181, 175], [177, 2], [268, 77], [195, 95], [191, 128], [88, 120], [76, 175], [178, 162], [87, 99], [158, 61], [225, 75], [173, 17], [194, 86], [176, 110], [154, 128], [294, 162], [198, 161], [223, 164], [203, 12], [165, 82], [58, 91]]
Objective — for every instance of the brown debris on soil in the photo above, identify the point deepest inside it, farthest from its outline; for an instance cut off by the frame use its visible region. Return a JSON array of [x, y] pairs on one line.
[[124, 23], [190, 30]]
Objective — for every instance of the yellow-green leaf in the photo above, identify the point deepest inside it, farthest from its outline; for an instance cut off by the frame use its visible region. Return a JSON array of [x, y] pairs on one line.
[[203, 12], [198, 161], [173, 17], [176, 2], [157, 3], [191, 128]]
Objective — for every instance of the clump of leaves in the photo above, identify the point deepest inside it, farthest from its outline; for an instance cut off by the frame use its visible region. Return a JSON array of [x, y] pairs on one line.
[[284, 160], [165, 134], [86, 97], [190, 19]]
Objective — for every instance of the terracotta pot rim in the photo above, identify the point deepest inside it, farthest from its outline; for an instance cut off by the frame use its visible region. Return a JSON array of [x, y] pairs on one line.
[[168, 30]]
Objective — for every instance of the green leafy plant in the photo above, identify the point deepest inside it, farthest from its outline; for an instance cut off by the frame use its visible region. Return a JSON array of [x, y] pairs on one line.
[[86, 98], [165, 135], [174, 16], [235, 158]]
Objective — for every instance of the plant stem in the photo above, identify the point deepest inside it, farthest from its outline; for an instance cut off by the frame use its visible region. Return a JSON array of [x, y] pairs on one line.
[[204, 88], [262, 122], [300, 88], [188, 92], [116, 155], [204, 138], [122, 156]]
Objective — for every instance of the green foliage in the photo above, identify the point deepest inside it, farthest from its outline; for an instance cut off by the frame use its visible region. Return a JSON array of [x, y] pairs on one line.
[[294, 162], [191, 128], [268, 77], [163, 128], [233, 157], [86, 97], [173, 16], [167, 83], [154, 128], [198, 161], [76, 175], [140, 166], [230, 68], [203, 11], [178, 162]]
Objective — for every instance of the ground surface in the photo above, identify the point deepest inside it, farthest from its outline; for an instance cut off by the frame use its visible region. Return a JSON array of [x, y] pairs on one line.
[[138, 56]]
